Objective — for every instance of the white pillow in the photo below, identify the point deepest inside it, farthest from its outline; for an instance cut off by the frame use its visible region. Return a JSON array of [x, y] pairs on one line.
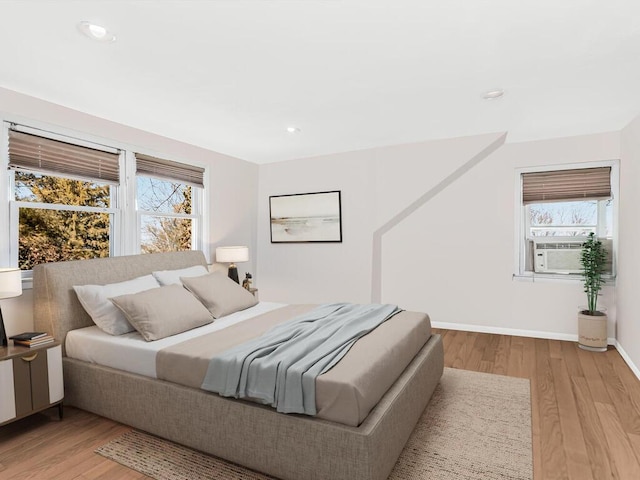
[[172, 277], [95, 300]]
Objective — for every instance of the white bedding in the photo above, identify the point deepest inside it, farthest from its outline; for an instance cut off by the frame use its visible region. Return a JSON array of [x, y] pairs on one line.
[[135, 355]]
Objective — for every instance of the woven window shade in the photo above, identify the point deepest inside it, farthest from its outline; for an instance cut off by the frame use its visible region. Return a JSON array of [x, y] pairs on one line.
[[566, 185], [43, 155], [169, 170]]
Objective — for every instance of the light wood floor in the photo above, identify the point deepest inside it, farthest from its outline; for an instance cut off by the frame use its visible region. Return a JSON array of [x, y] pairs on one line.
[[585, 416]]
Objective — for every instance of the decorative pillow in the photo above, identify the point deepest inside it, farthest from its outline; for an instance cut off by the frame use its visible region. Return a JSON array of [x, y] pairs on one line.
[[221, 295], [95, 300], [163, 311], [172, 277]]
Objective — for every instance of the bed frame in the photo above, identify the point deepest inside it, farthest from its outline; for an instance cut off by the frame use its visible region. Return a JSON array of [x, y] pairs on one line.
[[290, 447]]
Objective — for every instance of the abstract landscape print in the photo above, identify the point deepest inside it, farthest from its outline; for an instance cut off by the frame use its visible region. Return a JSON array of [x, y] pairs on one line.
[[306, 217]]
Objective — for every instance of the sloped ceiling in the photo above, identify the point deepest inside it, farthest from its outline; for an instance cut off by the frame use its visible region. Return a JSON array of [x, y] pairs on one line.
[[231, 75]]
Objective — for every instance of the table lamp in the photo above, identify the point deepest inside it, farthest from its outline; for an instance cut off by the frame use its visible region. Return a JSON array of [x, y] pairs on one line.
[[10, 286], [231, 255]]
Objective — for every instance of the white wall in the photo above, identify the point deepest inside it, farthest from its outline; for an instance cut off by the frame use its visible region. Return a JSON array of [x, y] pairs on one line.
[[453, 257], [376, 185], [233, 183], [628, 332], [461, 246]]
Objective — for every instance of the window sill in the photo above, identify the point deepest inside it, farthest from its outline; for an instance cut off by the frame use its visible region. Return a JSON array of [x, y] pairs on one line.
[[556, 278]]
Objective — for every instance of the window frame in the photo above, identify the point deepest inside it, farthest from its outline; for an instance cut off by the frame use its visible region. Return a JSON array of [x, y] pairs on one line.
[[521, 222], [195, 215], [125, 224]]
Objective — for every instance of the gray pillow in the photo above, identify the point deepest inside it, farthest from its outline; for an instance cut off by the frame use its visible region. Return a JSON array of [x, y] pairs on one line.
[[221, 295], [162, 312]]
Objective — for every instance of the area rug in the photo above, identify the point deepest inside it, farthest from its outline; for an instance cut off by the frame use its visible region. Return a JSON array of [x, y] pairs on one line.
[[476, 426]]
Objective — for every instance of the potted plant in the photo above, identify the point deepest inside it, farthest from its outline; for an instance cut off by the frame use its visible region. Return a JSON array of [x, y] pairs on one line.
[[592, 323]]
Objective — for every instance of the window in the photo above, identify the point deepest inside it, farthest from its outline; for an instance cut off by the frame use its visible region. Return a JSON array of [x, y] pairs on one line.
[[63, 199], [67, 200], [558, 209], [168, 196]]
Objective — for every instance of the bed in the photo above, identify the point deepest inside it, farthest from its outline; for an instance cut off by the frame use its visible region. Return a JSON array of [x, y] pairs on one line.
[[291, 447]]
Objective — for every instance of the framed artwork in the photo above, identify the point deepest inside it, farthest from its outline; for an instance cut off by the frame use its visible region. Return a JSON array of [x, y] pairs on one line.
[[306, 217]]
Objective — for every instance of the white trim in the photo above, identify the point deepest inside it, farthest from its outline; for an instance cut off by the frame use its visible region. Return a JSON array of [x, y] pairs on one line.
[[204, 203], [63, 207], [130, 238], [5, 197], [520, 227], [532, 277], [149, 213], [14, 234], [625, 356], [514, 332]]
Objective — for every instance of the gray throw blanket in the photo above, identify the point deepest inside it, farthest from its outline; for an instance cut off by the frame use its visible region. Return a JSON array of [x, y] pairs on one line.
[[280, 367]]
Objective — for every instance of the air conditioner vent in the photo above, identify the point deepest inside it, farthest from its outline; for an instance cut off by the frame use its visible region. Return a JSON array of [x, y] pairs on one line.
[[559, 246]]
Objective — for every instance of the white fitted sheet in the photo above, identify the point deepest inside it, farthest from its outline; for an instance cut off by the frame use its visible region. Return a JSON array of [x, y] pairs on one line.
[[130, 352]]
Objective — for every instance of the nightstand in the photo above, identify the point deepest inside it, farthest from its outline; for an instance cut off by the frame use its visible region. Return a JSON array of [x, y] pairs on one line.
[[30, 380]]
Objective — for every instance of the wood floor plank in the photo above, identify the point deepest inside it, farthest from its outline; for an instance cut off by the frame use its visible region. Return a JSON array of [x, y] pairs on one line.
[[593, 434], [619, 394], [466, 340], [591, 373], [529, 371], [570, 356], [485, 367], [620, 448], [501, 357], [555, 348], [578, 466], [628, 378], [635, 444], [455, 340], [554, 460], [516, 360], [479, 345]]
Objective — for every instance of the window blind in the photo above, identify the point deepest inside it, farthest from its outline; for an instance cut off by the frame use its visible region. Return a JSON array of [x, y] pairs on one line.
[[566, 185], [44, 155], [169, 170]]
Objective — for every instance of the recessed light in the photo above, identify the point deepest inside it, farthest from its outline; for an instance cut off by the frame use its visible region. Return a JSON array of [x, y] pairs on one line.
[[96, 32], [493, 94], [293, 129]]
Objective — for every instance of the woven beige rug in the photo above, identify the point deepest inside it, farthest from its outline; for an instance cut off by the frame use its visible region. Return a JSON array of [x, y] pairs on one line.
[[477, 426]]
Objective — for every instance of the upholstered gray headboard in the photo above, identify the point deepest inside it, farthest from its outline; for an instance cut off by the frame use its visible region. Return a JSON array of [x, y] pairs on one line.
[[56, 308]]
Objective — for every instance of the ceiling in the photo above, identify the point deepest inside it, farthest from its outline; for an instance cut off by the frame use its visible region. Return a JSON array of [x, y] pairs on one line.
[[231, 75]]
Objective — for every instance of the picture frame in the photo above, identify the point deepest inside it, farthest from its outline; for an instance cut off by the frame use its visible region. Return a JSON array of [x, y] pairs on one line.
[[306, 217]]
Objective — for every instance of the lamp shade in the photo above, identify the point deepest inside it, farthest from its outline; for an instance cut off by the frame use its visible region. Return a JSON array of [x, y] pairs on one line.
[[233, 254], [10, 282]]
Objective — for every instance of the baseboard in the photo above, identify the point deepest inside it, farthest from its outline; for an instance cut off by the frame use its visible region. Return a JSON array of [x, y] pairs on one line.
[[534, 334], [512, 331], [628, 360]]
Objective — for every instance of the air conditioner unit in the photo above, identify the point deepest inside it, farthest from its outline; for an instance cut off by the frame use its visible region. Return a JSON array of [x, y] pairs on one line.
[[553, 256]]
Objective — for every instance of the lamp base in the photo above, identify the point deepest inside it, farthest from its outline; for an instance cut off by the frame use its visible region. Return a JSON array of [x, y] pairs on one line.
[[3, 334], [233, 273]]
